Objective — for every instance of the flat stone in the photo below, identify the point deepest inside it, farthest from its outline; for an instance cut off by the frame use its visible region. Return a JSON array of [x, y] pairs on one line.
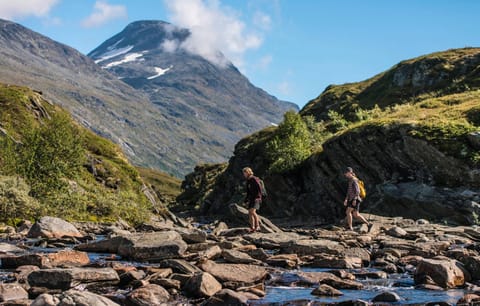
[[64, 258], [67, 278], [52, 227], [326, 290], [234, 272], [11, 292]]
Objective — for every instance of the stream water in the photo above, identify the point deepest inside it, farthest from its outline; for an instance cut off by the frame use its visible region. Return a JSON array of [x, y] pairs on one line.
[[401, 284]]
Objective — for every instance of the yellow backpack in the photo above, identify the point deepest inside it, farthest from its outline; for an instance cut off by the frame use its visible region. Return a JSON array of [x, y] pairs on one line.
[[361, 186]]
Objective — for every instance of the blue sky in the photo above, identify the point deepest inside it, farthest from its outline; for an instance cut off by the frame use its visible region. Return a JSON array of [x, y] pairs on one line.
[[291, 48]]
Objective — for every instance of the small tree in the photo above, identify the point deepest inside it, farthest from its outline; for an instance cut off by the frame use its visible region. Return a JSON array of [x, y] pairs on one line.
[[50, 154], [15, 203], [291, 144]]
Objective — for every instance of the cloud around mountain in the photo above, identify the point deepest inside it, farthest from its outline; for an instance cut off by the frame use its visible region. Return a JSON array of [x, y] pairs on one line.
[[213, 27]]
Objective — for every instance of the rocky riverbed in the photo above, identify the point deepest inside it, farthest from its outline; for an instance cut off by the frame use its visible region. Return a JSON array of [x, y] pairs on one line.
[[164, 263]]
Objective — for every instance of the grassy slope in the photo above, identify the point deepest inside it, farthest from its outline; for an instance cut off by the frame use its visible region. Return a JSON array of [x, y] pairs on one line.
[[106, 186]]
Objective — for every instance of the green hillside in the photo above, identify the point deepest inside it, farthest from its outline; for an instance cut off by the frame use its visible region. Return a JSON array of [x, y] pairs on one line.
[[51, 165]]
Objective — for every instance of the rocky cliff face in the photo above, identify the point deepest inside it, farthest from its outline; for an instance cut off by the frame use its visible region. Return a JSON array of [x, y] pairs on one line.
[[208, 107], [420, 161]]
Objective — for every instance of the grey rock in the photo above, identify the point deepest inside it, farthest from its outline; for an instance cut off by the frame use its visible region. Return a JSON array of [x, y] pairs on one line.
[[202, 285], [11, 292], [52, 227], [67, 278], [148, 295], [387, 297]]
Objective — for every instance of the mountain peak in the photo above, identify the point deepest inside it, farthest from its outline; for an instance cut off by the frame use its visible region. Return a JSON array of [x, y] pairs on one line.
[[140, 36]]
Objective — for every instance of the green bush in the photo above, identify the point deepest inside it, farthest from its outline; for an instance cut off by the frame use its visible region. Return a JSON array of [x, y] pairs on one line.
[[15, 202], [50, 154], [338, 122], [291, 144]]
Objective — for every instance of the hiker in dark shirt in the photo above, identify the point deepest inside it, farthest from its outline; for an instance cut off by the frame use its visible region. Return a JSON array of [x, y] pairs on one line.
[[253, 198], [352, 199]]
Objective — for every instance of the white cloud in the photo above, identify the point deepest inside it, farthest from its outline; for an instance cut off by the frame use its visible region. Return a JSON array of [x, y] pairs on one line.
[[170, 45], [104, 12], [285, 88], [265, 62], [10, 9], [262, 20], [213, 28]]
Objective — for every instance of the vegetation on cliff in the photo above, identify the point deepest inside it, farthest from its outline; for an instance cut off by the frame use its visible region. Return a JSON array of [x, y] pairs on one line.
[[51, 165]]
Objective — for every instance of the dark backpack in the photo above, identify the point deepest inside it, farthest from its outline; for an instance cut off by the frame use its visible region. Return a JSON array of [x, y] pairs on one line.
[[262, 189]]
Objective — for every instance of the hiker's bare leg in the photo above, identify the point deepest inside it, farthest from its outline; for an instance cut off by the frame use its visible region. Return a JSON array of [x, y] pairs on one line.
[[349, 217], [251, 218], [359, 216], [256, 219]]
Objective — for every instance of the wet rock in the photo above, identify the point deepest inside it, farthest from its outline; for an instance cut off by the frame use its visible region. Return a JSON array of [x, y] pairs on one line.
[[67, 278], [158, 272], [469, 299], [148, 295], [371, 274], [51, 227], [202, 285], [288, 261], [167, 283], [23, 272], [46, 299], [201, 247], [447, 273], [234, 272], [326, 290], [387, 297], [259, 254], [323, 261], [73, 297], [472, 264], [234, 256], [6, 248], [179, 266], [314, 278], [227, 297], [257, 289], [65, 258], [11, 292], [130, 276]]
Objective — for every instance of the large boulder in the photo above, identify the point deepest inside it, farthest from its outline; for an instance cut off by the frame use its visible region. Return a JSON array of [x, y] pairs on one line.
[[310, 247], [248, 274], [67, 278], [151, 246], [11, 292], [446, 273], [150, 294], [240, 213], [73, 297], [154, 246], [202, 285], [51, 227], [64, 258]]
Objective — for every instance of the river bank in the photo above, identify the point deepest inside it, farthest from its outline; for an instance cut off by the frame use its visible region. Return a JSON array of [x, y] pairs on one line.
[[397, 261]]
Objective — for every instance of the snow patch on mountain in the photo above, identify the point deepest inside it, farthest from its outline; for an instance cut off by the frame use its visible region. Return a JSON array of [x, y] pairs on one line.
[[127, 58], [159, 71], [112, 53]]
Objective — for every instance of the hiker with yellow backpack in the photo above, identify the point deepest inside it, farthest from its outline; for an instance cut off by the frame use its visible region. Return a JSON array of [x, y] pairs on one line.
[[355, 194]]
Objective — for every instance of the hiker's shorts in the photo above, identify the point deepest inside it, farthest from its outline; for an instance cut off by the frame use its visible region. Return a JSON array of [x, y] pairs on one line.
[[357, 204], [255, 204]]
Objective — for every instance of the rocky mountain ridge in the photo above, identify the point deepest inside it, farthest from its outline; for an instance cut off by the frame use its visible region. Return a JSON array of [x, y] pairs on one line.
[[208, 107]]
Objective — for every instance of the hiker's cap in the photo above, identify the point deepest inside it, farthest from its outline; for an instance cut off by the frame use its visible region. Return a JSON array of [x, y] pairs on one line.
[[348, 169]]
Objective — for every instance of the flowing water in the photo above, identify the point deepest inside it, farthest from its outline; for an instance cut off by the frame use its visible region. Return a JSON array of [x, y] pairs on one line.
[[401, 284]]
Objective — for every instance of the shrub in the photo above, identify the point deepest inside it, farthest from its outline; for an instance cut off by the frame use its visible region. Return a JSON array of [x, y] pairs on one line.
[[338, 122], [49, 154], [291, 144], [15, 203]]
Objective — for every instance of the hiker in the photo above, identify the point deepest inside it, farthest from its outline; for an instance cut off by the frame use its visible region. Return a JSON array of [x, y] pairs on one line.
[[352, 199], [253, 198]]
